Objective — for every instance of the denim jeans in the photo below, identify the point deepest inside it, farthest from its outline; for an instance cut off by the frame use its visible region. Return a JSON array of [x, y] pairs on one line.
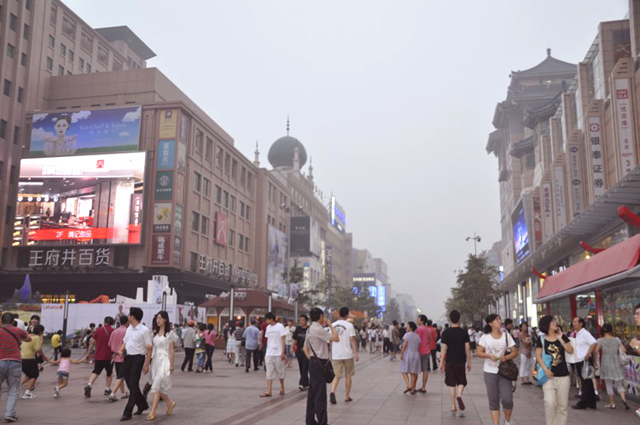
[[201, 356], [11, 371]]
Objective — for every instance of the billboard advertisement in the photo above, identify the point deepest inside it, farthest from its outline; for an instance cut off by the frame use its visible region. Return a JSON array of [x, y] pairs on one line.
[[300, 230], [94, 199], [162, 217], [277, 258], [85, 132], [338, 217], [222, 229], [520, 235], [168, 124]]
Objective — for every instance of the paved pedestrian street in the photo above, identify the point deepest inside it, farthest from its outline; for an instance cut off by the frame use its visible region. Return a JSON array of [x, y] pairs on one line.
[[231, 397]]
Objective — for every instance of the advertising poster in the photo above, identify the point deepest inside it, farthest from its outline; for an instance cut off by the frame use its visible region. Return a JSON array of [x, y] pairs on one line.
[[300, 236], [624, 120], [177, 220], [162, 217], [561, 208], [85, 132], [277, 257], [160, 250], [222, 229], [177, 250], [537, 219], [168, 124], [597, 160], [164, 185], [520, 235], [166, 154], [575, 173]]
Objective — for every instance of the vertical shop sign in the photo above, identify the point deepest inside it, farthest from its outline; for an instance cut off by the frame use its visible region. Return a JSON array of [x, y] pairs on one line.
[[624, 121], [575, 174], [162, 218], [182, 157], [161, 250], [168, 124], [561, 207], [597, 160], [547, 211], [166, 154], [177, 221], [179, 187], [177, 250], [537, 220], [164, 185]]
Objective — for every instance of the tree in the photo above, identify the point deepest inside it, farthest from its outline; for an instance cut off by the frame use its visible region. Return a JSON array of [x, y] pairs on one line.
[[393, 311], [476, 288]]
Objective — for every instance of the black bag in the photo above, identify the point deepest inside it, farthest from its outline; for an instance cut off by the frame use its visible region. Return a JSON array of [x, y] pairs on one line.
[[508, 369], [327, 367]]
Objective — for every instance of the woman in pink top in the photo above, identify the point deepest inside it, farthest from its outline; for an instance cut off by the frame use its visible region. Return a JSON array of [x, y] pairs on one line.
[[210, 346], [64, 368]]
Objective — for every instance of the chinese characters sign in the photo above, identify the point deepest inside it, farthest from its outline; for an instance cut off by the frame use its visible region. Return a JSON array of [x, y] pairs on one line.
[[226, 271], [162, 218], [561, 208], [164, 185], [166, 154], [625, 125], [575, 174], [597, 160], [547, 208], [70, 257], [161, 250], [86, 234]]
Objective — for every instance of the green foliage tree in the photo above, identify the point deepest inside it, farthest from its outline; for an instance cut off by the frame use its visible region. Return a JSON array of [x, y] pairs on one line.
[[476, 287], [393, 311]]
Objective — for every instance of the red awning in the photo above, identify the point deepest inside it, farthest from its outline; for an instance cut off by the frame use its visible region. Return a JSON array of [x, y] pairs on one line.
[[617, 259]]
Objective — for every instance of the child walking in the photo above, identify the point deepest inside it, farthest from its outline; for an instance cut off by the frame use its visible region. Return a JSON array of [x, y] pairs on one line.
[[63, 369]]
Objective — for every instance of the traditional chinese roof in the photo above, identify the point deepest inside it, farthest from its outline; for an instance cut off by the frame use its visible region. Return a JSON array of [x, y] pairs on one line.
[[494, 140], [550, 66], [543, 112], [522, 147]]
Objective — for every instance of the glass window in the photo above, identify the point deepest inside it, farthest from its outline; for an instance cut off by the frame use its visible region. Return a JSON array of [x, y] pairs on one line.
[[219, 157], [11, 50], [13, 22], [197, 181], [63, 49], [88, 68], [20, 94], [207, 187], [194, 262], [240, 241], [234, 169], [6, 89], [53, 18], [586, 308], [241, 209], [71, 55], [16, 135], [618, 308], [231, 237], [227, 163], [60, 70], [23, 59], [232, 201], [205, 225], [225, 199], [26, 31], [196, 221], [49, 64], [81, 63], [247, 212], [218, 194], [3, 129], [561, 309], [52, 41], [208, 150]]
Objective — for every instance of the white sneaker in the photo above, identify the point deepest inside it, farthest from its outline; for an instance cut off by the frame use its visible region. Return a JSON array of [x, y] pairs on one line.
[[56, 392], [638, 413], [28, 395], [507, 422]]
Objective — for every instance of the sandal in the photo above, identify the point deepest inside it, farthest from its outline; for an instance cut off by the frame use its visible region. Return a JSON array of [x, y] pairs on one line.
[[422, 391], [610, 406], [265, 395], [407, 390], [170, 408], [281, 392], [347, 400], [151, 417]]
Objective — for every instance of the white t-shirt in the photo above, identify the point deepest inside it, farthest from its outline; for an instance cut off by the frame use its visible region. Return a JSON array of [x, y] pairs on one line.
[[342, 350], [274, 335], [584, 340], [289, 338], [496, 348]]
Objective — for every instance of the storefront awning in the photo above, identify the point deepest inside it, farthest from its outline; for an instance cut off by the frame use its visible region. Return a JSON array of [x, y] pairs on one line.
[[617, 260]]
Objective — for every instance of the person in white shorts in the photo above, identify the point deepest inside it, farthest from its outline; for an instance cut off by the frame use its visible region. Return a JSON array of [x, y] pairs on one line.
[[275, 354]]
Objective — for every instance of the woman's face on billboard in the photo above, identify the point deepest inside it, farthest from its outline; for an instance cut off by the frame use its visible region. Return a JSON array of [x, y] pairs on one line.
[[61, 127]]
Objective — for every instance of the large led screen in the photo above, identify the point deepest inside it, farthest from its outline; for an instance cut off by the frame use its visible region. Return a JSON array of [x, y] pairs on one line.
[[86, 132], [277, 258], [92, 199], [520, 236]]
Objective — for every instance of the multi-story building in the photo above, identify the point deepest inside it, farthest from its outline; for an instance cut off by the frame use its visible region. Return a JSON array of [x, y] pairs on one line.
[[569, 184]]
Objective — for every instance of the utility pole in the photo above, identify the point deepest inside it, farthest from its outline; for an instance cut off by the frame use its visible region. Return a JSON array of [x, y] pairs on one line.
[[476, 239]]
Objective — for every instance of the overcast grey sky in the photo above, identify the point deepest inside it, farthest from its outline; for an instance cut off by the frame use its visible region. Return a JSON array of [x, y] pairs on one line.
[[393, 100]]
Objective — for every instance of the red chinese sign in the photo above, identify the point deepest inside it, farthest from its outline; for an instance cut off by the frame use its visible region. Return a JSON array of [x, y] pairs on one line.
[[72, 234]]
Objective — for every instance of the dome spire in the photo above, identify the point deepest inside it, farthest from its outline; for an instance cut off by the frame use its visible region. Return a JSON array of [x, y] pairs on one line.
[[256, 161], [311, 169], [548, 52], [287, 124]]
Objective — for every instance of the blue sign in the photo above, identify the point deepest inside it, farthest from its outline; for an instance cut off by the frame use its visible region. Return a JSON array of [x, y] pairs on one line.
[[166, 154], [381, 299]]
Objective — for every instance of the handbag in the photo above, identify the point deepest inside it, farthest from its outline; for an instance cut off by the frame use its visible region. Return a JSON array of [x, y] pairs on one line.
[[587, 371], [508, 369], [541, 376], [327, 367]]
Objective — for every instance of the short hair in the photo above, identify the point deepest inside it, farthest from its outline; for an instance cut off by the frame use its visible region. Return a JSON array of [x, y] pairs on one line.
[[423, 319], [253, 322], [124, 320], [395, 323], [108, 320], [429, 322], [59, 332], [607, 329], [582, 322], [136, 312], [545, 323], [202, 327], [65, 352], [508, 322], [269, 316], [454, 316], [315, 314], [35, 316], [413, 326], [7, 318], [93, 325], [38, 329], [210, 326], [523, 324], [305, 317], [344, 311]]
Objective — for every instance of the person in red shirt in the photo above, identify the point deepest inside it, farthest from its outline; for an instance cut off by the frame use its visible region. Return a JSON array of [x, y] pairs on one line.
[[433, 345], [102, 356], [115, 342], [424, 333], [11, 362]]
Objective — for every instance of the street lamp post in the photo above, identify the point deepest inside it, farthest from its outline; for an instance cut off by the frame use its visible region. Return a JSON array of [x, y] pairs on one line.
[[476, 239]]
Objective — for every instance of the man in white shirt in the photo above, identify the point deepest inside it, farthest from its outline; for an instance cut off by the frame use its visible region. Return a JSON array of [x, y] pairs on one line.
[[344, 351], [275, 353], [137, 343], [584, 340]]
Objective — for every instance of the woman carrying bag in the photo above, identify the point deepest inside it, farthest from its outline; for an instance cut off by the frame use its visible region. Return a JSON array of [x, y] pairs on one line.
[[493, 347], [553, 372]]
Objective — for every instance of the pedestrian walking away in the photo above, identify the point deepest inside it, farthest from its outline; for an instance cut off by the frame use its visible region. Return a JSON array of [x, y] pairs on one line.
[[274, 354], [138, 344], [115, 342], [456, 351], [299, 336], [31, 351], [10, 362], [344, 355], [55, 344], [189, 344], [164, 342], [492, 348], [103, 356], [200, 343], [554, 345], [209, 347], [252, 337], [289, 329], [410, 357], [316, 349], [424, 333]]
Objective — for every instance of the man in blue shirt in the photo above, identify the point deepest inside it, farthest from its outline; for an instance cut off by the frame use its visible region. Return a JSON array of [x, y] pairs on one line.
[[251, 336]]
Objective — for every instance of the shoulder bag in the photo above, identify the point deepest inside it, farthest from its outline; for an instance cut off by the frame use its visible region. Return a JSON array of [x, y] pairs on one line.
[[327, 367], [508, 369], [541, 376], [12, 334]]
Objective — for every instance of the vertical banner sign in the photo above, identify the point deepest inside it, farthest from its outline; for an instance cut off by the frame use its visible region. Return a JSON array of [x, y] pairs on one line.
[[162, 218], [575, 173], [547, 209], [222, 229], [177, 250], [161, 250], [177, 221], [164, 185], [624, 123], [168, 124], [184, 127], [166, 154], [179, 187], [561, 207], [597, 160], [537, 220], [182, 157]]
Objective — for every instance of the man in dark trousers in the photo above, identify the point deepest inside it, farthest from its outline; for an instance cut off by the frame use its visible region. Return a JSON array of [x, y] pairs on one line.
[[137, 343], [189, 343]]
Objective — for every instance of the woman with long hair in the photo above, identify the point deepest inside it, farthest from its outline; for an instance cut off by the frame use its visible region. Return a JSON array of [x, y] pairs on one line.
[[556, 390], [611, 369], [410, 357], [526, 363], [492, 348], [164, 341]]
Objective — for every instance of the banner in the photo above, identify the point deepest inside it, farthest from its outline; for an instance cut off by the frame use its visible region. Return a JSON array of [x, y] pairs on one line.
[[168, 124], [624, 122], [597, 157], [166, 154], [164, 185]]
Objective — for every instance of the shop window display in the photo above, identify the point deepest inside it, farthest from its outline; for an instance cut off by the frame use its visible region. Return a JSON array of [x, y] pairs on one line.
[[618, 306]]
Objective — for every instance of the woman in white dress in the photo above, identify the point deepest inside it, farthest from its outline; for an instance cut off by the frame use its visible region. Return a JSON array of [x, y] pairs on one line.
[[164, 341]]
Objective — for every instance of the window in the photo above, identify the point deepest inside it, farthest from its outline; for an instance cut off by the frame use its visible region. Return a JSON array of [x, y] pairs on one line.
[[205, 225], [86, 42], [20, 94], [63, 49], [16, 135], [197, 145], [225, 199], [241, 209], [231, 235], [81, 64], [246, 216], [207, 187], [218, 194], [240, 241], [3, 129], [246, 244], [197, 182], [243, 176], [11, 50], [117, 65], [28, 4], [194, 262], [233, 203], [71, 55], [12, 174], [13, 22], [49, 64], [227, 163], [103, 55], [219, 156], [60, 70], [234, 169], [23, 59], [88, 68], [208, 149], [250, 181], [6, 89], [52, 41], [68, 27], [53, 18], [26, 31], [196, 221]]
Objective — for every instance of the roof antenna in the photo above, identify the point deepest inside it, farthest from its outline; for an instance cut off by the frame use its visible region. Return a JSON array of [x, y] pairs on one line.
[[287, 124], [548, 52]]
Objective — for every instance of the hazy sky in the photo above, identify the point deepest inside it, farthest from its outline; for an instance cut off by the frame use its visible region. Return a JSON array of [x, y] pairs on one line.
[[393, 100]]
